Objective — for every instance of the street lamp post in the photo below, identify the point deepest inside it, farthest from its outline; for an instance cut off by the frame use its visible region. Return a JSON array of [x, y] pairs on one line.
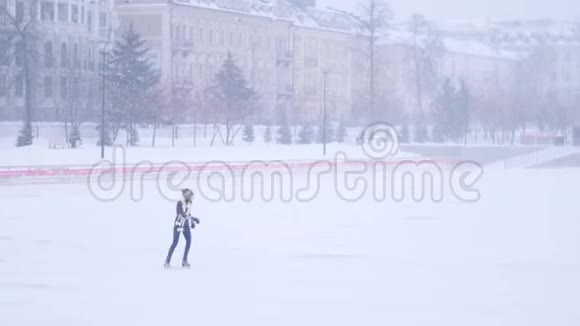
[[324, 81], [104, 93], [103, 103]]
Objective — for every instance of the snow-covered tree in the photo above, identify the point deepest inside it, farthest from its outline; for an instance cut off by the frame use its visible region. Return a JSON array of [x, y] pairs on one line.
[[248, 134], [284, 135], [341, 133], [404, 133], [375, 16], [75, 136], [233, 97], [320, 136], [306, 134], [428, 49], [132, 80], [268, 134], [451, 112], [108, 140], [19, 45], [421, 133]]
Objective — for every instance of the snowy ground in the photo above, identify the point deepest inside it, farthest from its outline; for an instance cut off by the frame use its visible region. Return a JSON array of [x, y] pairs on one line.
[[182, 150], [513, 258]]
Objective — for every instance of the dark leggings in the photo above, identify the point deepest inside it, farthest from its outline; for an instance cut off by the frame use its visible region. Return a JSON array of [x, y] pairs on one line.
[[187, 235]]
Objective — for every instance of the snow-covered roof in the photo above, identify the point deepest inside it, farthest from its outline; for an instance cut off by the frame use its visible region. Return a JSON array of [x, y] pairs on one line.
[[517, 33], [477, 48], [535, 32], [311, 17], [326, 18], [263, 8], [400, 34]]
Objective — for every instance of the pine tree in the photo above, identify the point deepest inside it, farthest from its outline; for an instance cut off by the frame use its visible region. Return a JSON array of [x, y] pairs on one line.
[[268, 135], [132, 80], [25, 136], [75, 136], [341, 133], [133, 135], [420, 130], [404, 134], [451, 112], [329, 134], [284, 135], [306, 134], [234, 98], [22, 29], [106, 136], [248, 135]]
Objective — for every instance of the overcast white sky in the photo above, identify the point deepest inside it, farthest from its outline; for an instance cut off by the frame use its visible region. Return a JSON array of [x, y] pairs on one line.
[[476, 9]]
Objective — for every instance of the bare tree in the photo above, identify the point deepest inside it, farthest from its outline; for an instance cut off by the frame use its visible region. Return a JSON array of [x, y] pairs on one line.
[[21, 18], [374, 17], [76, 102], [534, 76], [427, 50]]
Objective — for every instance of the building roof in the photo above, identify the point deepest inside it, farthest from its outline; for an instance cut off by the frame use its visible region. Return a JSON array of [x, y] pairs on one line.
[[310, 17], [517, 33], [478, 48], [401, 35]]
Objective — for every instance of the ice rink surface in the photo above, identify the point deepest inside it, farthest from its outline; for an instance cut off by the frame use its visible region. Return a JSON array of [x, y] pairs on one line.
[[513, 258]]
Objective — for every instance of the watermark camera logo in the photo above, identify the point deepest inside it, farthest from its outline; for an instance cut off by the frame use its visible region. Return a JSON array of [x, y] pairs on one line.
[[379, 175]]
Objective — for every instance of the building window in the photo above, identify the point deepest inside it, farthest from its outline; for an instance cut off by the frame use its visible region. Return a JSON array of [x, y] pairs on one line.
[[47, 86], [177, 36], [19, 54], [103, 20], [47, 11], [63, 55], [82, 15], [91, 58], [87, 57], [63, 87], [4, 52], [48, 55], [90, 21], [2, 81], [76, 59], [63, 12], [19, 86], [19, 11], [75, 14]]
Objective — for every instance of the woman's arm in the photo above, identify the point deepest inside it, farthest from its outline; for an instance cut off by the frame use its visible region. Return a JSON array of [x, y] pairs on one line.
[[179, 209]]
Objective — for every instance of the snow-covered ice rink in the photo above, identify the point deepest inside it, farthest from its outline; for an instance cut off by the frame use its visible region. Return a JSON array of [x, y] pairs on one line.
[[513, 258]]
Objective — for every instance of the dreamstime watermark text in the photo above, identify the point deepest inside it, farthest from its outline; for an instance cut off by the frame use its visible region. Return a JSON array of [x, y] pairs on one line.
[[381, 175]]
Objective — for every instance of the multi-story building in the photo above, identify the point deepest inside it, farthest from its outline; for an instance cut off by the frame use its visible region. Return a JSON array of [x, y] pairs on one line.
[[552, 48], [555, 47], [291, 55], [63, 39], [299, 58], [408, 79]]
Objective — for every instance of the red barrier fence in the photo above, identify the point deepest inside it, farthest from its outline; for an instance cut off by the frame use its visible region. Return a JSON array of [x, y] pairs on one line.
[[15, 173]]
